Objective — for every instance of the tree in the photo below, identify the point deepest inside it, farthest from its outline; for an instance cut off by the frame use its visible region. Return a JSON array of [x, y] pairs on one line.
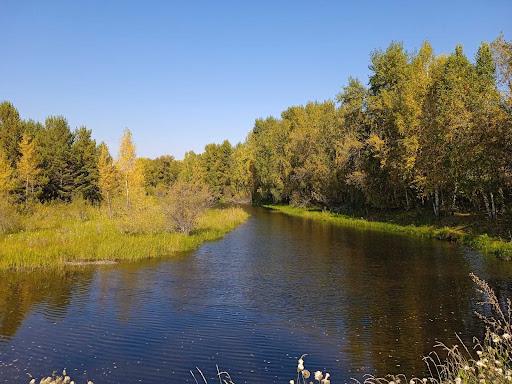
[[11, 131], [216, 164], [241, 171], [353, 184], [160, 173], [192, 168], [28, 165], [446, 124], [6, 175], [502, 53], [184, 204], [108, 177], [310, 152], [267, 142], [489, 139], [85, 165], [55, 142], [126, 163]]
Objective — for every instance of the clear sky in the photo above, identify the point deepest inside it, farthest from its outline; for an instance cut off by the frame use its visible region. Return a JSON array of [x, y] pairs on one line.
[[181, 74]]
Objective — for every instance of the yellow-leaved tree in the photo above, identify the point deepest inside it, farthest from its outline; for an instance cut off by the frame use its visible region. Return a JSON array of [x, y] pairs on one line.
[[28, 165], [131, 170]]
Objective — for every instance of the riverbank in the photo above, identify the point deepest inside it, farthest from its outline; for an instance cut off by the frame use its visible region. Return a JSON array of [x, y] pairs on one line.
[[62, 236], [481, 242]]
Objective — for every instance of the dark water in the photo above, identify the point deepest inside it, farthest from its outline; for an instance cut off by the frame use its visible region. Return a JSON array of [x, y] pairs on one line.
[[277, 287]]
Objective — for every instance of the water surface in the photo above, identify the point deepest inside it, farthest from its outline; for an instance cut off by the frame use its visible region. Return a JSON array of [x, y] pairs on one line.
[[355, 301]]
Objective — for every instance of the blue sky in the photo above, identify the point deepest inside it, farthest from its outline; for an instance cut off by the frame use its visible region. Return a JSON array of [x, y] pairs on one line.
[[181, 74]]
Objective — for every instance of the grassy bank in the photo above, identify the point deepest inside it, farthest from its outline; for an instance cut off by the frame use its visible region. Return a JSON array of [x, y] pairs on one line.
[[482, 242], [57, 235]]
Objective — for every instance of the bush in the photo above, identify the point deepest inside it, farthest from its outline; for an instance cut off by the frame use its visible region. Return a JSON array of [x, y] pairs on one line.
[[183, 205]]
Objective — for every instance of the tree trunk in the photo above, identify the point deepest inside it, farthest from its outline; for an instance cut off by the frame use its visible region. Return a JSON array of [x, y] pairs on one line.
[[454, 201], [487, 206], [127, 193], [493, 207], [109, 203], [435, 203]]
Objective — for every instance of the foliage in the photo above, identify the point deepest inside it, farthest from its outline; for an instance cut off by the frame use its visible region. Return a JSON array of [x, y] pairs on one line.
[[6, 175], [85, 163], [428, 130], [28, 166], [184, 204], [126, 163], [160, 173], [108, 177]]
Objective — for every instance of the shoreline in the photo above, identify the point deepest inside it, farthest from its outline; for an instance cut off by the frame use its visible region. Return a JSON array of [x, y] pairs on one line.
[[484, 243], [99, 242]]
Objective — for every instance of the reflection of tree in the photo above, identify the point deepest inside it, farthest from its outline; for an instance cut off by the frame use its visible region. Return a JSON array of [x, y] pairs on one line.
[[20, 291], [382, 300]]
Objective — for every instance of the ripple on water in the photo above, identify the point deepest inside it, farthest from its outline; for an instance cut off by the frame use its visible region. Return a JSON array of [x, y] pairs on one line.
[[252, 302]]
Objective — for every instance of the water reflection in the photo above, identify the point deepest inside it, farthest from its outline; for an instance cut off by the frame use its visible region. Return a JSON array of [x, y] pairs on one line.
[[21, 292], [273, 289]]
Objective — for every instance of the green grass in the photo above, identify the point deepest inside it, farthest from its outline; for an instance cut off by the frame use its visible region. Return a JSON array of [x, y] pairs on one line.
[[54, 236], [483, 242]]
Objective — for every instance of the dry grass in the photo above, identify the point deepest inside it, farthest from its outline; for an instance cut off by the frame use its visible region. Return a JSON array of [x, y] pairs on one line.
[[58, 234]]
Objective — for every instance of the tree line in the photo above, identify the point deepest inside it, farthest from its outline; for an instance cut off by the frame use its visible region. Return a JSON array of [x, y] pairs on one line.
[[425, 131]]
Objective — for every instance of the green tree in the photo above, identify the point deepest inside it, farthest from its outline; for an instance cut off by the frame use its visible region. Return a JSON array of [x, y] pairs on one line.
[[108, 177], [6, 175], [311, 152], [54, 144], [271, 167], [160, 173], [85, 165], [216, 163], [488, 142], [192, 168], [241, 171], [11, 131], [447, 118]]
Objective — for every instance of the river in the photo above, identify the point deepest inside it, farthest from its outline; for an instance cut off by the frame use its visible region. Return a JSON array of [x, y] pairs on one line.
[[276, 287]]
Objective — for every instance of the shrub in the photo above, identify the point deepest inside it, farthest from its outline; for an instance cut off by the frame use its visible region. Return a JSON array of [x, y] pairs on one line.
[[183, 205]]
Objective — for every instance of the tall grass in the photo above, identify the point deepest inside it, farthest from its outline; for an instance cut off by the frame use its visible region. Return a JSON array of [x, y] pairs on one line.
[[483, 243], [57, 234]]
